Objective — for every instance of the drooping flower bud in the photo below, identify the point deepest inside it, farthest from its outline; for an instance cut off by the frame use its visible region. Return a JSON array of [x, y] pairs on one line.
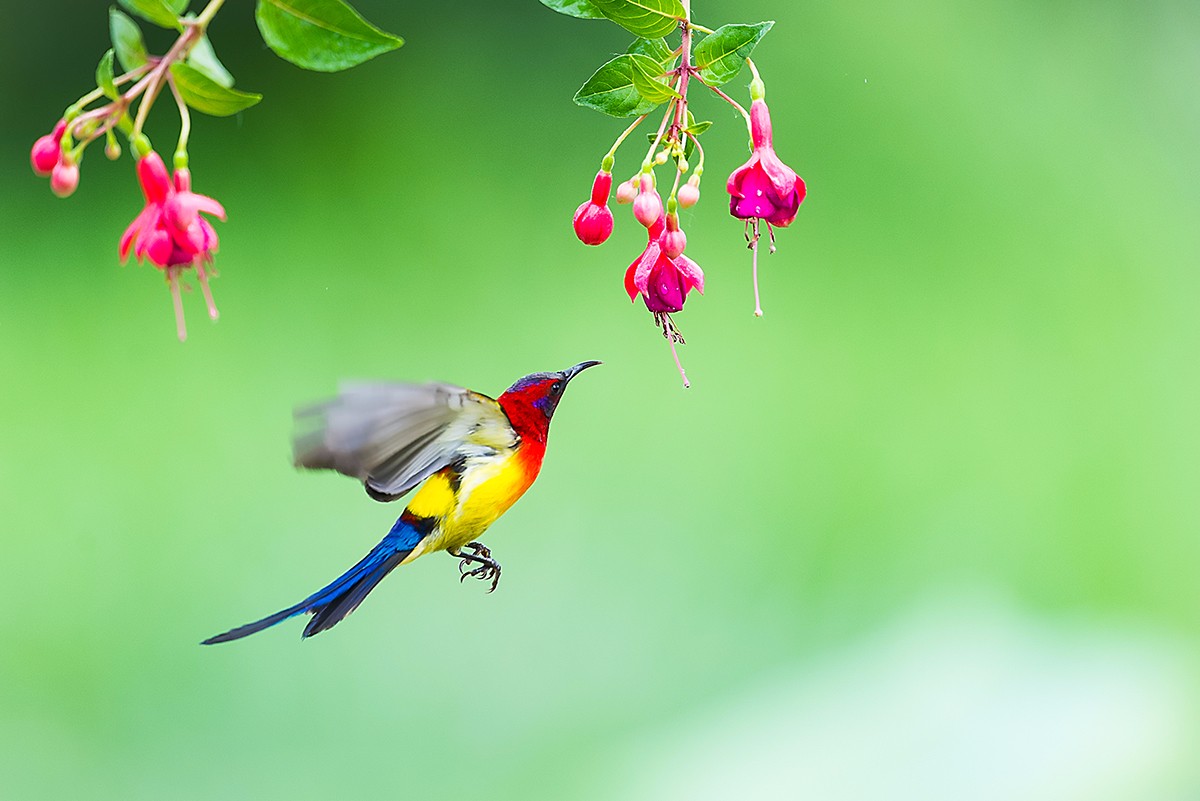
[[627, 191], [647, 208], [64, 178], [689, 193], [153, 177], [47, 150], [594, 220], [673, 240]]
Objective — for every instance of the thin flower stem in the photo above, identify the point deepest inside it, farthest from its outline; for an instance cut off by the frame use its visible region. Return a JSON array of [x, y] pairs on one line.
[[700, 149], [758, 312], [612, 152], [753, 69], [177, 301], [678, 364], [151, 85], [185, 118], [208, 13], [675, 186], [724, 97], [658, 137]]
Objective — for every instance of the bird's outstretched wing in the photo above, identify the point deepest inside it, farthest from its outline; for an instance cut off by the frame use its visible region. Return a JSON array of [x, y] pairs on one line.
[[393, 436]]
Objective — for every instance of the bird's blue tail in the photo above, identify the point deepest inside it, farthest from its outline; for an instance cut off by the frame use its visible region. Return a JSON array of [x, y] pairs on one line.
[[333, 602]]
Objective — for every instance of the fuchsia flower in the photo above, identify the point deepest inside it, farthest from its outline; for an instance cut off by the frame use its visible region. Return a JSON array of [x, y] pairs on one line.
[[662, 281], [764, 187], [169, 231], [593, 219]]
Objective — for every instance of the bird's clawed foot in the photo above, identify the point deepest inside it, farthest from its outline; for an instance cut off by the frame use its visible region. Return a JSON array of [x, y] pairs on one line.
[[488, 568]]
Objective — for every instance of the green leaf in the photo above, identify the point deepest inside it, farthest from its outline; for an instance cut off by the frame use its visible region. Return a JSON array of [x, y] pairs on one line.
[[162, 13], [104, 75], [697, 128], [583, 9], [321, 35], [610, 90], [657, 49], [127, 40], [648, 19], [207, 96], [204, 59], [646, 81], [720, 55]]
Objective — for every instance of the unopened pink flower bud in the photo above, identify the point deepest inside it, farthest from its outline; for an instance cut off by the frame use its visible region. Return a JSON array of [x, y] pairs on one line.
[[647, 208], [689, 195], [593, 220], [46, 150], [593, 224], [64, 178], [673, 240], [627, 191]]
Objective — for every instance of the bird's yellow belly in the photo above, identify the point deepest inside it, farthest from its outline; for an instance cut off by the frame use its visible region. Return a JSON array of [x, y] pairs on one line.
[[485, 492]]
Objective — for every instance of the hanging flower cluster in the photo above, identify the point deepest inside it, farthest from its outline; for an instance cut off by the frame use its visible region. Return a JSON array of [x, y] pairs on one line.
[[170, 233], [763, 191]]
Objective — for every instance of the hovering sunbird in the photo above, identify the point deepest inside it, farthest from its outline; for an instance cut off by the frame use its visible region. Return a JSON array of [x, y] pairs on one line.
[[476, 455]]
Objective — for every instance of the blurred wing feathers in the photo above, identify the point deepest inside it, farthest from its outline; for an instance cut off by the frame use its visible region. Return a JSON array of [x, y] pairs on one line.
[[394, 436]]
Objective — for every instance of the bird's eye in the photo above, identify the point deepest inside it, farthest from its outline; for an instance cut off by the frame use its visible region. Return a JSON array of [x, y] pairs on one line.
[[556, 387]]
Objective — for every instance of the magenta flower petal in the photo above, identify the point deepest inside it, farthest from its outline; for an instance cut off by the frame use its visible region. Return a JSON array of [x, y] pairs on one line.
[[693, 276]]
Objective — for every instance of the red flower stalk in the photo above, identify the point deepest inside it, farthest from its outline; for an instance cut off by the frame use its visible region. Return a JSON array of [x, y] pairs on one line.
[[593, 219], [169, 231]]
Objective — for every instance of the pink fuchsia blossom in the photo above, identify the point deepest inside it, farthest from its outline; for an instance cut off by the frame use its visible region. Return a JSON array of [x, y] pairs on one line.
[[46, 152], [662, 281], [170, 233], [594, 220], [764, 187]]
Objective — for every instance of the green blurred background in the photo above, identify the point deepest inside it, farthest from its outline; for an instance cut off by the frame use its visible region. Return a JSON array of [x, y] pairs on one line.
[[926, 530]]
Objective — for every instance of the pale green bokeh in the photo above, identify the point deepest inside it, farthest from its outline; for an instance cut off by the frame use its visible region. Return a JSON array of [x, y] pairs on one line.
[[976, 373]]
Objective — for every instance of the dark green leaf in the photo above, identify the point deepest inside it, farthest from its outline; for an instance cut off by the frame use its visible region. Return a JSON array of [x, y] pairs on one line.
[[321, 35], [610, 90], [648, 19], [204, 58], [127, 40], [697, 128], [720, 55], [645, 74], [159, 12], [583, 9], [657, 49], [207, 96], [104, 75]]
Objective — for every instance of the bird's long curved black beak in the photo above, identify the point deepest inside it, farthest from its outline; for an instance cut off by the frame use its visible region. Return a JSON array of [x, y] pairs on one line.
[[571, 372]]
